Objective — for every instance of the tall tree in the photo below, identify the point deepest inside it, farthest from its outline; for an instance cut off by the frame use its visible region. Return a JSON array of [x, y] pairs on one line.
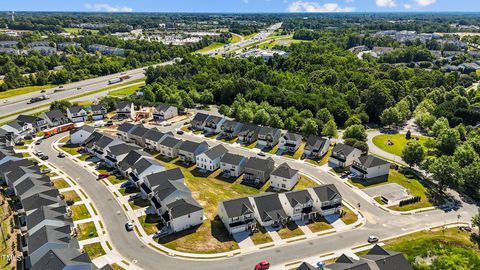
[[356, 132], [446, 172], [413, 154]]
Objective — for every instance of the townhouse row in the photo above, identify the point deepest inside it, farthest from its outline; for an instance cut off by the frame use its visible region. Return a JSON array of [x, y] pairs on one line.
[[47, 239], [276, 209], [165, 190]]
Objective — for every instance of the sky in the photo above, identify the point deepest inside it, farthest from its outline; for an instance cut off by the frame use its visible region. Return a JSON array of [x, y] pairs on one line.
[[243, 6]]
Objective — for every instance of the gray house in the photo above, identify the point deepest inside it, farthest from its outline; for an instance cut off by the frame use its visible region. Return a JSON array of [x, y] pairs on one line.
[[230, 129], [258, 170], [169, 147], [316, 147], [232, 165], [189, 150], [213, 124], [198, 122], [268, 136], [248, 133]]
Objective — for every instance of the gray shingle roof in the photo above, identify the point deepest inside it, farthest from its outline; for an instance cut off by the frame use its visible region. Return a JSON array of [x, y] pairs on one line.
[[139, 131], [130, 159], [371, 161], [292, 136], [46, 212], [269, 207], [199, 118], [315, 143], [98, 107], [259, 163], [233, 159], [190, 146], [343, 149], [75, 109], [216, 151], [268, 131], [162, 107], [28, 119], [56, 115], [183, 207], [285, 171], [125, 127], [103, 142], [123, 104], [122, 148], [386, 260], [46, 234], [170, 142], [298, 197], [214, 119], [306, 266], [249, 129], [154, 135], [145, 163], [346, 263], [238, 207], [62, 259], [326, 192]]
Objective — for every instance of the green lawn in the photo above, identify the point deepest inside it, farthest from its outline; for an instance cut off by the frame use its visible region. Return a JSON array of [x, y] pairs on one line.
[[235, 38], [80, 212], [115, 180], [298, 154], [71, 149], [304, 182], [291, 230], [319, 226], [210, 47], [449, 248], [323, 160], [347, 216], [71, 195], [24, 90], [274, 150], [261, 236], [75, 30], [60, 183], [398, 142], [126, 91], [149, 223], [94, 250], [250, 36], [86, 230]]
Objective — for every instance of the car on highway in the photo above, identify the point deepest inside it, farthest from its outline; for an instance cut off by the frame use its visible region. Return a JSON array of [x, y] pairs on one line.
[[103, 175], [43, 91], [61, 155], [61, 86], [372, 239], [129, 226], [262, 265], [78, 88], [180, 132]]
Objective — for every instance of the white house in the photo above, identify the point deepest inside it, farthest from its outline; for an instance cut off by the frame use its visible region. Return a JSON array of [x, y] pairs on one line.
[[284, 177], [343, 155], [18, 128], [326, 199], [183, 214], [166, 186], [290, 142], [125, 110], [152, 139], [298, 204], [368, 167], [79, 135], [237, 215], [210, 159], [316, 147], [198, 121], [99, 112], [232, 165], [162, 112], [144, 167], [230, 129], [37, 123], [213, 124], [77, 114]]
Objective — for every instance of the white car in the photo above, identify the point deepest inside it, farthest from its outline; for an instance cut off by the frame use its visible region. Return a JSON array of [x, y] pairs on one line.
[[372, 239], [129, 226]]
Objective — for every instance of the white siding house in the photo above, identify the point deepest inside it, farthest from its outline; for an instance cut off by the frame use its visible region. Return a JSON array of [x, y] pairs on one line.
[[368, 167], [343, 155], [284, 177], [210, 159]]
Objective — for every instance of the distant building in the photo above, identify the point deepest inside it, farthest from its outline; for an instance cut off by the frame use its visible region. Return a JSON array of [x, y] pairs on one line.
[[106, 50]]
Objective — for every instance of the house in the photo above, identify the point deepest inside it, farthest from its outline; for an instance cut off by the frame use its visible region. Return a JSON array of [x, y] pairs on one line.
[[298, 204], [100, 146], [116, 153], [258, 170], [169, 147], [210, 159], [368, 167], [125, 110], [268, 137], [125, 166], [306, 266], [142, 168], [182, 214], [189, 150], [55, 118], [284, 177], [152, 139], [343, 155], [63, 259], [213, 124], [230, 129], [18, 129], [81, 134], [248, 133], [316, 147], [136, 134], [290, 142], [37, 123], [162, 112], [99, 112], [124, 130], [232, 165], [164, 184], [198, 122], [237, 215], [77, 114], [327, 199], [44, 215], [268, 210]]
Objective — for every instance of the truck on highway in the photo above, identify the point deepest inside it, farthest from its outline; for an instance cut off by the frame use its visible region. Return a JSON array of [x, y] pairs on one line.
[[37, 99], [119, 79]]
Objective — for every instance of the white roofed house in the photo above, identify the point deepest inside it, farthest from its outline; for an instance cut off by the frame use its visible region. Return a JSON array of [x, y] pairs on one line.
[[343, 155], [326, 199], [230, 129], [237, 215], [268, 210], [99, 112], [163, 112], [169, 147], [298, 204], [210, 159], [189, 150], [81, 134], [77, 114], [125, 110], [290, 142], [269, 137], [284, 177], [213, 124], [316, 147], [232, 165], [368, 167], [55, 118]]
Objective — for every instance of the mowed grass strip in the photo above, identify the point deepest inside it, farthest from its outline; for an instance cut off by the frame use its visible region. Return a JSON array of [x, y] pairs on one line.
[[80, 212], [86, 230], [24, 90], [94, 250]]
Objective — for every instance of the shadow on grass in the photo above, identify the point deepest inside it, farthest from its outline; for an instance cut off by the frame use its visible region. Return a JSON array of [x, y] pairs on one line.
[[229, 180], [253, 184], [219, 231], [197, 172], [183, 164], [164, 158], [370, 182], [140, 202], [172, 237]]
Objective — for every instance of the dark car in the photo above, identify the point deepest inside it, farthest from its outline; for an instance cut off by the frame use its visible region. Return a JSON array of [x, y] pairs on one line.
[[43, 91], [43, 157], [180, 132], [78, 88], [129, 226], [38, 142], [262, 154], [61, 155], [126, 184], [109, 123], [103, 175]]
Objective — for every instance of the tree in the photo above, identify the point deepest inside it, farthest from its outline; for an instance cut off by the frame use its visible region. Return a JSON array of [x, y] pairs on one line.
[[61, 105], [148, 94], [291, 124], [309, 127], [224, 110], [206, 97], [446, 172], [465, 155], [330, 129], [390, 116], [262, 117], [356, 132], [413, 154], [353, 120], [448, 141], [476, 220], [471, 178], [440, 125]]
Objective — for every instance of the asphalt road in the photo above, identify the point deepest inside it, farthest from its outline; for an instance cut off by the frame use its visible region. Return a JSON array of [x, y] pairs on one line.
[[379, 222]]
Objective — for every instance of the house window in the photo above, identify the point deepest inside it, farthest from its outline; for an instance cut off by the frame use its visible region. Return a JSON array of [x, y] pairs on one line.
[[235, 219]]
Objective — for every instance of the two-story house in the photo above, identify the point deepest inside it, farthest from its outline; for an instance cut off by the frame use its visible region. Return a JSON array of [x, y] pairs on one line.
[[258, 170], [298, 204], [198, 121], [232, 165], [116, 153], [169, 147], [213, 124], [99, 112], [237, 215], [316, 147], [125, 110], [368, 167], [164, 184], [18, 129], [55, 118], [284, 177], [230, 129], [210, 159], [268, 137], [343, 155], [77, 114], [189, 150], [142, 168], [268, 210], [136, 134], [152, 139], [163, 112], [124, 130], [248, 133], [79, 135], [290, 142], [326, 199], [37, 123]]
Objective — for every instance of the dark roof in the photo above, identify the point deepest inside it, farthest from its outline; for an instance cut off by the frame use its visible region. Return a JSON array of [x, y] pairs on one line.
[[170, 141], [183, 207], [315, 142], [346, 263], [298, 197], [216, 151], [200, 118], [155, 179], [12, 165], [46, 212], [343, 149], [230, 123], [386, 260], [123, 104], [144, 163], [292, 136], [122, 148], [55, 115], [259, 163], [268, 130], [28, 118], [154, 135], [190, 146], [326, 192], [285, 171], [63, 259], [95, 136], [59, 235], [39, 184], [269, 206], [162, 107], [130, 159], [86, 128], [213, 118], [103, 141], [230, 158], [306, 266], [238, 207], [139, 131], [98, 107], [371, 161], [75, 109], [125, 127], [249, 128]]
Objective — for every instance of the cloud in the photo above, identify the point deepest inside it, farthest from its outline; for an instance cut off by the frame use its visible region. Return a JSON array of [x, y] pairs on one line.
[[107, 8], [305, 6], [407, 6], [425, 3], [386, 3]]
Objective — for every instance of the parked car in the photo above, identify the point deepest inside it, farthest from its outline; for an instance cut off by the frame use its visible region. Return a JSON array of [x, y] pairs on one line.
[[180, 132], [129, 226], [39, 153], [38, 142], [28, 137], [262, 265], [262, 154], [61, 86], [109, 123], [20, 143], [61, 155], [78, 88], [43, 157], [372, 239], [126, 184], [43, 91], [103, 175], [70, 202], [168, 124], [45, 171], [134, 196]]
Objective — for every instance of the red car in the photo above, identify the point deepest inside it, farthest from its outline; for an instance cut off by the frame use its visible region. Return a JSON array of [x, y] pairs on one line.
[[262, 265], [103, 175]]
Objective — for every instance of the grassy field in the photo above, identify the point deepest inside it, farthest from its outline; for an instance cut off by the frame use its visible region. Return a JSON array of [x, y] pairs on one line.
[[126, 91], [450, 248], [86, 230], [250, 36], [94, 250], [409, 182], [72, 150], [235, 38], [75, 30], [398, 142], [261, 237], [80, 212], [304, 182], [210, 47], [23, 90], [149, 223], [319, 226]]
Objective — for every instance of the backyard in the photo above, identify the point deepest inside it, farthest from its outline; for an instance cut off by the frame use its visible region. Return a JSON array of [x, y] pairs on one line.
[[86, 230]]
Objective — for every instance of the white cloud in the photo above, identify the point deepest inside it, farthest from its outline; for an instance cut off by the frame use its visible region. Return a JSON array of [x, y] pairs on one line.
[[407, 6], [386, 3], [425, 3], [305, 6], [107, 8]]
